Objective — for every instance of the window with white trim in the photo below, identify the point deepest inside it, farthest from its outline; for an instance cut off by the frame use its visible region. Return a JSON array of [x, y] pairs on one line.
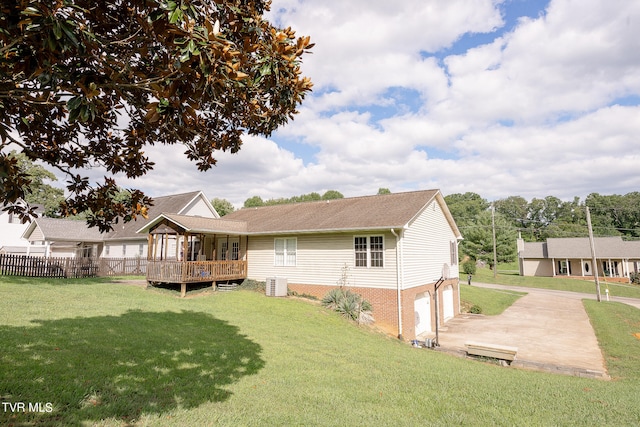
[[235, 250], [453, 247], [285, 251], [369, 251], [223, 251]]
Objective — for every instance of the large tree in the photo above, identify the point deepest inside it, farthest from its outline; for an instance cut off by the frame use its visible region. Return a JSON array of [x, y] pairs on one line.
[[478, 239], [85, 83], [40, 192], [466, 207], [222, 206]]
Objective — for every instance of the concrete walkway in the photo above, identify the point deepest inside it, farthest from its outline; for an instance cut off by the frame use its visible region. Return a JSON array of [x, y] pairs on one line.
[[550, 329]]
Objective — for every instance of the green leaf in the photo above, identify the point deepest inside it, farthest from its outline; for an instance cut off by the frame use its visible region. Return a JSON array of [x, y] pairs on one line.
[[70, 35], [74, 102], [31, 11], [175, 16], [57, 31], [265, 70]]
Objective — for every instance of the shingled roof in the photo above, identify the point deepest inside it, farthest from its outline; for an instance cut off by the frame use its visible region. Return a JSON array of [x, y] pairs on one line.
[[65, 230], [605, 247], [578, 247], [196, 224], [356, 213], [173, 204]]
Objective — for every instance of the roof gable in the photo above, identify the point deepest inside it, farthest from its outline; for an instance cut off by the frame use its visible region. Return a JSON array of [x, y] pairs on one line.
[[196, 224], [172, 204], [63, 230]]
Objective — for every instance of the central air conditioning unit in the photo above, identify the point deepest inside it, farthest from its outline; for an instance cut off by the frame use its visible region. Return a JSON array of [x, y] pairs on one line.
[[276, 287]]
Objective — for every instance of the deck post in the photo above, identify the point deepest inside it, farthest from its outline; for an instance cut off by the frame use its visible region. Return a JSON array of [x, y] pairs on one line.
[[183, 290]]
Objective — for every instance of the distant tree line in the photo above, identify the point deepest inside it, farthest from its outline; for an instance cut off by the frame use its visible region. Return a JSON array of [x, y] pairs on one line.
[[538, 219], [256, 201]]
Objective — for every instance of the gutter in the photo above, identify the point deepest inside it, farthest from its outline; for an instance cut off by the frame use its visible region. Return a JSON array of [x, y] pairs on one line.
[[399, 279]]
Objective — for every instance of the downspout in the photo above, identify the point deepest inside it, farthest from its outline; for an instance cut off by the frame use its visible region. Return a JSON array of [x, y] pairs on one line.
[[398, 281]]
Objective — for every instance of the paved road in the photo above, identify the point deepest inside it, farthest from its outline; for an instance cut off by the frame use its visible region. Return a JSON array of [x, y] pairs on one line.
[[550, 329]]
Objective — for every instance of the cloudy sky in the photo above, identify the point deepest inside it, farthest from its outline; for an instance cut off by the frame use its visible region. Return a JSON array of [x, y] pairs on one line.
[[502, 98]]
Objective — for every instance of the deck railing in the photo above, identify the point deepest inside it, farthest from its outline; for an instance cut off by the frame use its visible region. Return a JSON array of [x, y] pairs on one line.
[[195, 271]]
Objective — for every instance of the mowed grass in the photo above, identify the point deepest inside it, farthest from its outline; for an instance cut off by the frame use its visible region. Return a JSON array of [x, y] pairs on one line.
[[512, 278], [491, 301], [113, 355]]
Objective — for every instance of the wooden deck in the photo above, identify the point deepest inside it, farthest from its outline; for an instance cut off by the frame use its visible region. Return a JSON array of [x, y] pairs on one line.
[[184, 272]]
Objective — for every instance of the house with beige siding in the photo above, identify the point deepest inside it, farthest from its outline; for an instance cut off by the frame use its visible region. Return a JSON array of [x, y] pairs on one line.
[[616, 259], [399, 251], [72, 238]]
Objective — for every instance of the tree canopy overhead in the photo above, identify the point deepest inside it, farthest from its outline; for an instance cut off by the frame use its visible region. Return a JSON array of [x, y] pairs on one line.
[[86, 84]]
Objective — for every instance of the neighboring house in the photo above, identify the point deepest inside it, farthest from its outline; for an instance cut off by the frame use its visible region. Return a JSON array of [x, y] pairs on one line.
[[11, 230], [615, 257], [72, 238], [124, 241], [63, 238], [393, 249]]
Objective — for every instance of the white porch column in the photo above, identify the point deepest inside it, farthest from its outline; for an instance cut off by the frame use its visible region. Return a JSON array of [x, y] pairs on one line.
[[582, 266], [553, 263], [567, 266]]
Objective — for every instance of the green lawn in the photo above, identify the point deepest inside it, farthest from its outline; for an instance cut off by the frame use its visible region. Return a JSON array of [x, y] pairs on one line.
[[507, 276], [114, 355], [490, 301]]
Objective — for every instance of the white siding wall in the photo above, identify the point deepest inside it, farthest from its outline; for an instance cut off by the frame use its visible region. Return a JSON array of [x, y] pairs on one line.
[[198, 207], [132, 249], [63, 251], [426, 248], [321, 259], [11, 233]]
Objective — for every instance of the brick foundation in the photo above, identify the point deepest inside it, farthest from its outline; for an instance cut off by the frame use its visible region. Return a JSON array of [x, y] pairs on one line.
[[385, 303]]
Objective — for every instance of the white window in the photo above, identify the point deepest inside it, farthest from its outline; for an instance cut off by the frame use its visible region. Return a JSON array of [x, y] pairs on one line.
[[106, 249], [229, 249], [285, 252], [235, 250], [124, 250], [564, 267], [140, 249], [453, 247], [223, 250], [369, 251]]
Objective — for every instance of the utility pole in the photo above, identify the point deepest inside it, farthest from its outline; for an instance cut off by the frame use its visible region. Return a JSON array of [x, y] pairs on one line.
[[495, 251], [594, 264]]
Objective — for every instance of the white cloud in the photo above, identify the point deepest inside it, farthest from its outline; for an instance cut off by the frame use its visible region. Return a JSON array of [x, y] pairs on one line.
[[528, 113]]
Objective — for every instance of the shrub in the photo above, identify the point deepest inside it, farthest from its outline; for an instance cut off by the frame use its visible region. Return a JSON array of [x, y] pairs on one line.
[[475, 309], [635, 278], [469, 267], [254, 285], [349, 304]]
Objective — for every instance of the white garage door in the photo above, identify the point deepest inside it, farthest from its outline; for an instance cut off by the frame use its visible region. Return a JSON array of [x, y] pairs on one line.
[[422, 308], [447, 302]]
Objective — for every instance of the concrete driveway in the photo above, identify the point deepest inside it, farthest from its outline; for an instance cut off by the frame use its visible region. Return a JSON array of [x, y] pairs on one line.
[[550, 329]]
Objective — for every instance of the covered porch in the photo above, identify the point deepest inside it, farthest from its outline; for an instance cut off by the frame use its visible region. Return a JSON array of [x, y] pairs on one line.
[[188, 250]]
